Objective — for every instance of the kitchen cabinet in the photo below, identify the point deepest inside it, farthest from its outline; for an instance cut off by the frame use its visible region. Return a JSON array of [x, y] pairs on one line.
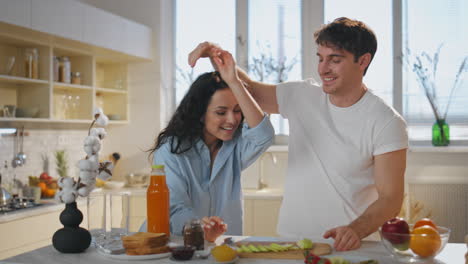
[[75, 20], [103, 79], [135, 31], [63, 18], [261, 216], [103, 29], [16, 12], [29, 229]]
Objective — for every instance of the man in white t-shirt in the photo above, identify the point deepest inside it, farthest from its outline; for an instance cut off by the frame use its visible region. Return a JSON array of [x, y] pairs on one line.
[[347, 147]]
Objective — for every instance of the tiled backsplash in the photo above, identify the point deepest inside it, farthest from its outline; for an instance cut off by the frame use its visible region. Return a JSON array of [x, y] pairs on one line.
[[43, 142]]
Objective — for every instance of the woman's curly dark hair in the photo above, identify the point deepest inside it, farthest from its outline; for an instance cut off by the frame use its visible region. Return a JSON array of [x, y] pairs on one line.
[[186, 126]]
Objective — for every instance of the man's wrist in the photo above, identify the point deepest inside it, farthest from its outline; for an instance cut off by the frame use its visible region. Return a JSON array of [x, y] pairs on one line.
[[355, 227]]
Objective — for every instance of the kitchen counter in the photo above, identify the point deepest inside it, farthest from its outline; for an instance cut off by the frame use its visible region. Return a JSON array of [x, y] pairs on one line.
[[47, 206], [50, 205], [266, 194], [452, 254]]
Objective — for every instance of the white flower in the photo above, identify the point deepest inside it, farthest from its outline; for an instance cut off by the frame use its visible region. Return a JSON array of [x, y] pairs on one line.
[[97, 111], [67, 196], [92, 145], [67, 193], [105, 170], [88, 177], [67, 182], [85, 190], [95, 159], [102, 120], [98, 132], [87, 165]]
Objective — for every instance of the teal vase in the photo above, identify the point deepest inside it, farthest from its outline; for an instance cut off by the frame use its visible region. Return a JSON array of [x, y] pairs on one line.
[[440, 133]]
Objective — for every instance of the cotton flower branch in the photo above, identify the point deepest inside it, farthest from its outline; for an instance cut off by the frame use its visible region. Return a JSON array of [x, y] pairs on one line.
[[90, 167]]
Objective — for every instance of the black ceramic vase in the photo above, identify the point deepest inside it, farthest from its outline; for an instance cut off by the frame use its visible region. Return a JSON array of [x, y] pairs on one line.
[[71, 238]]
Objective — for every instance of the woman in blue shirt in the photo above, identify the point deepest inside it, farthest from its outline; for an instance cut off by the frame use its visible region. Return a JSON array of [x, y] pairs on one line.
[[205, 147]]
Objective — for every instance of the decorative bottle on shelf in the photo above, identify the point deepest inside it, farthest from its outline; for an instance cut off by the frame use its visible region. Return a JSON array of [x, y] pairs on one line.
[[157, 199], [31, 63], [65, 70], [56, 64]]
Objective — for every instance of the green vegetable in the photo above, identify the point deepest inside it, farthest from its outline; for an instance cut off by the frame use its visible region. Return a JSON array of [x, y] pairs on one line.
[[305, 243], [245, 249]]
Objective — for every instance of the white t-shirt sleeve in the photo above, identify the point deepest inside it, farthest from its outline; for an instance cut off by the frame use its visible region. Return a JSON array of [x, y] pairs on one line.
[[393, 136], [285, 94]]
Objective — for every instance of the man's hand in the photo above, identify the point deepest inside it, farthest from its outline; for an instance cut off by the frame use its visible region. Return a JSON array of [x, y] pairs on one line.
[[345, 238], [204, 50], [213, 227]]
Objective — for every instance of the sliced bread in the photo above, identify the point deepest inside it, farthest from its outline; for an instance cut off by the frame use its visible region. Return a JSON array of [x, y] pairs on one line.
[[144, 239], [147, 250]]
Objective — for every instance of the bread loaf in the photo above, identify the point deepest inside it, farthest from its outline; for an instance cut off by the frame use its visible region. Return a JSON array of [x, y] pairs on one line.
[[144, 240]]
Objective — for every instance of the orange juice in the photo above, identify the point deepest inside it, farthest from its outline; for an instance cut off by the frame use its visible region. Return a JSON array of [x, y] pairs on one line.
[[157, 199]]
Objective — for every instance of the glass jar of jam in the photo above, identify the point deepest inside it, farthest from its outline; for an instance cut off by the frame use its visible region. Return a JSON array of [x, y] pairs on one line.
[[193, 234]]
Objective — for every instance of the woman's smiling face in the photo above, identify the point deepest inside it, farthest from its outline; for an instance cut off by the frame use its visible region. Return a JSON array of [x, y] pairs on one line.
[[222, 118]]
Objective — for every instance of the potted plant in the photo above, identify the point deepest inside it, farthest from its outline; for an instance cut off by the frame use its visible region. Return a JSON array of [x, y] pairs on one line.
[[72, 238]]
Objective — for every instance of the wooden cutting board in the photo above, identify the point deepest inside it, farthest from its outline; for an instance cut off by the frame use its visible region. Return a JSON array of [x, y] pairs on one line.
[[317, 249]]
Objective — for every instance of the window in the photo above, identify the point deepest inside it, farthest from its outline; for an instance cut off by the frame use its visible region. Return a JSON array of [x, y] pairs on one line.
[[274, 45], [376, 15], [449, 31], [198, 21], [279, 49]]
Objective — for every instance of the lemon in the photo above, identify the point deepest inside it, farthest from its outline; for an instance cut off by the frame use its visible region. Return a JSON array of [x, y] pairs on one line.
[[100, 183], [223, 253]]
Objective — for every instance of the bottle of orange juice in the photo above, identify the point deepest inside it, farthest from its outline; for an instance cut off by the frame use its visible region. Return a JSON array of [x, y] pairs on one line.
[[157, 199]]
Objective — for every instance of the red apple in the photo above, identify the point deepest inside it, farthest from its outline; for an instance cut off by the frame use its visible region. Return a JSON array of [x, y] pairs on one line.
[[396, 231], [45, 176]]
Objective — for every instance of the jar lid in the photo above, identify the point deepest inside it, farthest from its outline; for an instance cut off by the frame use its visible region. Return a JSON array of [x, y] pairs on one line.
[[157, 166]]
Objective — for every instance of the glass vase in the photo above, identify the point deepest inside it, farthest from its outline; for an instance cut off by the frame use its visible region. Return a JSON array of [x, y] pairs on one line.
[[440, 133]]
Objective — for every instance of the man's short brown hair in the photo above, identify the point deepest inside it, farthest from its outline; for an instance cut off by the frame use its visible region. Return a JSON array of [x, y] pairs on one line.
[[351, 35]]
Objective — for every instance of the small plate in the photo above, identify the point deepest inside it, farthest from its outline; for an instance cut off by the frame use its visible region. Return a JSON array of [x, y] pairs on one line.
[[135, 257], [228, 262]]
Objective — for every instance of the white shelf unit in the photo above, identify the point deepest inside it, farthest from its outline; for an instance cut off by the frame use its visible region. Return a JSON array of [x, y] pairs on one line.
[[103, 80]]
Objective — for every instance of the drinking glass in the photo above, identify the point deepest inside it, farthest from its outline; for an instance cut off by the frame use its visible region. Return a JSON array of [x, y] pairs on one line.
[[108, 218]]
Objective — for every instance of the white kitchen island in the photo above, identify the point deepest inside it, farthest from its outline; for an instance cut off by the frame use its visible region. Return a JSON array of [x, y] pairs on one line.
[[452, 254]]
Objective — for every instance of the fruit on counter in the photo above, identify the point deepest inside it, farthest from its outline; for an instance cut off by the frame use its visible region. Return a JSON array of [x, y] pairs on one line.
[[44, 176], [305, 243], [223, 253], [423, 222], [33, 181], [425, 241], [100, 183], [396, 231]]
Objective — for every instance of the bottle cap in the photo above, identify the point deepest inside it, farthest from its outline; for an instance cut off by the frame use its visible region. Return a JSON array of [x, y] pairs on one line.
[[157, 166]]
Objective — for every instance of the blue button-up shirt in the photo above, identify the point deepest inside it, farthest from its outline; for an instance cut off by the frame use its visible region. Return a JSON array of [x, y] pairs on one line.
[[197, 191]]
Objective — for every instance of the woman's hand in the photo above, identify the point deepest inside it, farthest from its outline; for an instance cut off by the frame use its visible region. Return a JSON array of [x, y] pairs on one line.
[[213, 227], [227, 67]]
